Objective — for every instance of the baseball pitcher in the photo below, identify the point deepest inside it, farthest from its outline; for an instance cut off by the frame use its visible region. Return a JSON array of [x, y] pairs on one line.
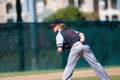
[[75, 41]]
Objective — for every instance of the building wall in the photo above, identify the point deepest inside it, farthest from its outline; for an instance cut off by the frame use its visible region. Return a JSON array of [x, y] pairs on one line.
[[52, 5], [10, 15], [111, 12], [2, 11], [55, 4], [87, 6]]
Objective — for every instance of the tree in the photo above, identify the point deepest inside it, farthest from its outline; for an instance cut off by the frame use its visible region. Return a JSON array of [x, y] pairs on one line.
[[68, 13]]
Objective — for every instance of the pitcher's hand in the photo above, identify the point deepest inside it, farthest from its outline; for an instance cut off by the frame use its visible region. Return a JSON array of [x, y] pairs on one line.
[[59, 49]]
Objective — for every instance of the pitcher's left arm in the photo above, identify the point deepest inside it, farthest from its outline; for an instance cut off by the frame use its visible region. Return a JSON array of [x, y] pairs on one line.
[[82, 37]]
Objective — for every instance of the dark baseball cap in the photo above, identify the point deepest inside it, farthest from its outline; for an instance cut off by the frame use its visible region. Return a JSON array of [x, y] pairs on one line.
[[55, 22]]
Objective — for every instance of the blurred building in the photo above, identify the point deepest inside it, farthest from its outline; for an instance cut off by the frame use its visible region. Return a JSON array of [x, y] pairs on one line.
[[47, 7], [107, 9], [8, 11], [43, 8]]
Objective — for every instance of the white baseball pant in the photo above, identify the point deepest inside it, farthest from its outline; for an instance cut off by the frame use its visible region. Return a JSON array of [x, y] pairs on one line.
[[78, 50]]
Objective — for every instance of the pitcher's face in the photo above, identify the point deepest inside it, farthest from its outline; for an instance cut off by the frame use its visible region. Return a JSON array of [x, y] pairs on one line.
[[56, 28]]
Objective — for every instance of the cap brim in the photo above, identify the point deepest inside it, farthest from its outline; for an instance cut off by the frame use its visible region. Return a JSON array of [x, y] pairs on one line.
[[52, 25]]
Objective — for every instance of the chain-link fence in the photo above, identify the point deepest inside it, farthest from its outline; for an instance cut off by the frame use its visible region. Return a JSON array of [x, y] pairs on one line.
[[28, 46]]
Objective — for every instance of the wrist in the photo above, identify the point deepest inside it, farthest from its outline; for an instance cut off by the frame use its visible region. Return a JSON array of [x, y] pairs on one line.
[[81, 40]]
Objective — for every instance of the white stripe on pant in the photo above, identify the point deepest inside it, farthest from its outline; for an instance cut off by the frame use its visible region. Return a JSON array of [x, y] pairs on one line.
[[78, 50]]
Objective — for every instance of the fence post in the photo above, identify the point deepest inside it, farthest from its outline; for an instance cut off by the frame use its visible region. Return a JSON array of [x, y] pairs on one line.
[[20, 36], [33, 33], [21, 48]]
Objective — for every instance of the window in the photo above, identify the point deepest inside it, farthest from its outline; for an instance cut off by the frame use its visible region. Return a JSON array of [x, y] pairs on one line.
[[107, 18], [114, 4], [9, 7], [80, 2], [106, 4], [45, 2], [103, 4], [114, 17], [96, 6], [71, 2], [10, 20]]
